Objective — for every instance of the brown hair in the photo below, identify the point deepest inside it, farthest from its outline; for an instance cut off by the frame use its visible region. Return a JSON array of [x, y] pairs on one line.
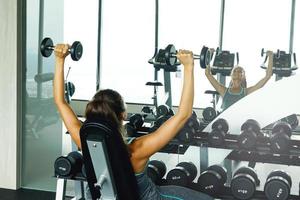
[[107, 104]]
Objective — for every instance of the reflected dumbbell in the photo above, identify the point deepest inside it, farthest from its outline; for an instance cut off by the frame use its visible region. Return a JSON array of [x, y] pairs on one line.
[[278, 185], [219, 130], [75, 50], [156, 170], [244, 182], [171, 59], [187, 133], [70, 165], [183, 174], [212, 180], [209, 114], [280, 138], [250, 131]]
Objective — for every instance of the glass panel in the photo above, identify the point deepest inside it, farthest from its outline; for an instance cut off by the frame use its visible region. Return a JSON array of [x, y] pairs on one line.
[[42, 127], [127, 45], [81, 24], [190, 24], [253, 25]]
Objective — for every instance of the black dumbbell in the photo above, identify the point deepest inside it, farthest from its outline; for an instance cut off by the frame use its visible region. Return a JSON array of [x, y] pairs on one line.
[[187, 133], [280, 138], [156, 170], [136, 122], [183, 174], [209, 114], [212, 180], [47, 48], [163, 110], [278, 185], [68, 166], [250, 131], [219, 130], [171, 59], [244, 182]]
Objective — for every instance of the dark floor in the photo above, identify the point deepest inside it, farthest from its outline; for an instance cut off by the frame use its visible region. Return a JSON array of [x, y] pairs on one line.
[[26, 194]]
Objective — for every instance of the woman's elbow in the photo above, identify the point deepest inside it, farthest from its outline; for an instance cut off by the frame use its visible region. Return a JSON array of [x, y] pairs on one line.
[[184, 116]]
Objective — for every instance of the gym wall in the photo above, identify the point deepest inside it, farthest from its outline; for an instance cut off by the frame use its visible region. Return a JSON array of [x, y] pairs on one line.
[[8, 93]]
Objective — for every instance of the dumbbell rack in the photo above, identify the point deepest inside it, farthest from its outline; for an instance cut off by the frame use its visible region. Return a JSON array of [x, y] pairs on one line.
[[261, 153]]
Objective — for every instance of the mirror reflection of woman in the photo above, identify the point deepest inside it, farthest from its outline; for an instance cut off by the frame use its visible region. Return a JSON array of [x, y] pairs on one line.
[[237, 88]]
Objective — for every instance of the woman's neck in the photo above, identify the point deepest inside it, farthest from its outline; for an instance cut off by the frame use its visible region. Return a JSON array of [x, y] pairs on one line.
[[236, 85]]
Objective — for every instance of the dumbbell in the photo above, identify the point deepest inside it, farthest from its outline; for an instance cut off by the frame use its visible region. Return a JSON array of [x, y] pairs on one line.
[[68, 166], [219, 130], [264, 52], [136, 122], [212, 180], [164, 110], [47, 48], [278, 185], [204, 57], [156, 170], [209, 114], [187, 133], [244, 182], [182, 175], [280, 138], [250, 131]]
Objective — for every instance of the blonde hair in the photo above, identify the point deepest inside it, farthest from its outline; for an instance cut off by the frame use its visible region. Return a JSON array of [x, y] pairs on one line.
[[244, 81]]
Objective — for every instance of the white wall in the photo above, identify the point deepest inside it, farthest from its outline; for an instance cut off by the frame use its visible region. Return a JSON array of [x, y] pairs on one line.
[[8, 94]]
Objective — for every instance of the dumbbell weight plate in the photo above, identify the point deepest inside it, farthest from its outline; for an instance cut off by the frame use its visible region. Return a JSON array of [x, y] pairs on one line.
[[62, 166], [182, 174], [45, 51], [76, 51], [205, 57], [169, 52], [278, 185], [191, 169], [220, 124], [156, 170], [212, 180], [70, 88], [162, 110], [251, 124], [209, 114], [283, 128], [244, 182]]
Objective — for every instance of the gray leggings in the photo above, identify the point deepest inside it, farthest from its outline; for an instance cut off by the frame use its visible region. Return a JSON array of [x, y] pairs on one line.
[[181, 193], [149, 191]]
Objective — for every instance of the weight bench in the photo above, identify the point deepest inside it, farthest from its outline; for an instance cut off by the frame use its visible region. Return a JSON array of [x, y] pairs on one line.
[[108, 170]]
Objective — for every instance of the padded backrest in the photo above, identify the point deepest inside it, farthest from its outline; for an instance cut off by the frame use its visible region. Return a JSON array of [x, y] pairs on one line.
[[116, 158]]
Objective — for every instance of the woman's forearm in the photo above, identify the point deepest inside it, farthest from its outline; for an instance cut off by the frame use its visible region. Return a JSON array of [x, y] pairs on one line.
[[58, 84]]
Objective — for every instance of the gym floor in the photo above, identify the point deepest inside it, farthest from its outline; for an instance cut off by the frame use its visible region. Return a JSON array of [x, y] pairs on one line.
[[26, 194]]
